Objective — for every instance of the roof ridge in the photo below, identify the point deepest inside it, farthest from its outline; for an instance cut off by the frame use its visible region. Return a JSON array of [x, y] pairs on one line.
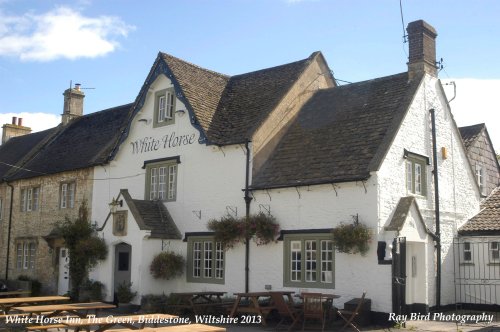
[[368, 81], [194, 65]]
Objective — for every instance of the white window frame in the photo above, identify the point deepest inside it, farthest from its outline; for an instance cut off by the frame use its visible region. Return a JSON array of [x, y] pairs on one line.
[[415, 175], [309, 260], [467, 250], [206, 260], [164, 107], [30, 199], [67, 195], [25, 255], [480, 176], [162, 181], [494, 251]]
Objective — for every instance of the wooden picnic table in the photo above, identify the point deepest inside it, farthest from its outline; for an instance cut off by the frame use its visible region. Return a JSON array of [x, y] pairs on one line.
[[132, 322], [181, 328], [70, 308], [198, 301], [6, 304], [253, 306], [15, 293]]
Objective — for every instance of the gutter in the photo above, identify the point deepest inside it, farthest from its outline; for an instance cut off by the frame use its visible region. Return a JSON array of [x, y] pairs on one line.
[[436, 208], [9, 230], [248, 200]]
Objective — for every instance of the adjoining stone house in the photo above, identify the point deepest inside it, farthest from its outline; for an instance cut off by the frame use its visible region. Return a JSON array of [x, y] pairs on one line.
[[45, 177], [290, 142], [482, 157]]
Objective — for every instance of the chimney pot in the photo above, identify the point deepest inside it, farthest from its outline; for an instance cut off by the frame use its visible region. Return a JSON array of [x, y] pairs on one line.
[[14, 120], [77, 86], [20, 122]]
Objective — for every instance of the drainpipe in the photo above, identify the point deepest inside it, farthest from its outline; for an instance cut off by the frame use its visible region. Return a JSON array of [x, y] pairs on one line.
[[248, 200], [436, 204], [9, 230]]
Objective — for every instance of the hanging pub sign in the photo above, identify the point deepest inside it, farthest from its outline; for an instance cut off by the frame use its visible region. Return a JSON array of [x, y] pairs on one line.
[[148, 144]]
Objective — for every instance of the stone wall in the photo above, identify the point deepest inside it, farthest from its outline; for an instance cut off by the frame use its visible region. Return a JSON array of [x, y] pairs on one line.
[[35, 225]]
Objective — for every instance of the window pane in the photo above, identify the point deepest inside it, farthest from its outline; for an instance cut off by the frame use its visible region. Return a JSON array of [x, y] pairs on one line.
[[25, 255], [36, 194], [295, 261], [327, 261], [467, 252], [197, 259], [29, 199], [32, 255], [162, 184], [207, 259], [170, 106], [64, 192], [219, 260], [153, 184], [418, 179], [494, 251], [310, 252], [161, 109], [71, 195], [409, 176], [19, 255], [172, 176]]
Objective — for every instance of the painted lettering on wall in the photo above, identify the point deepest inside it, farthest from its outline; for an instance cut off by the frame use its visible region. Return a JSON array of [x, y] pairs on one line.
[[148, 144]]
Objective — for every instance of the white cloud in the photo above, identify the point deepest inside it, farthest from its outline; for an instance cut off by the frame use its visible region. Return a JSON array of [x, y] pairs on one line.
[[36, 121], [60, 33], [477, 102]]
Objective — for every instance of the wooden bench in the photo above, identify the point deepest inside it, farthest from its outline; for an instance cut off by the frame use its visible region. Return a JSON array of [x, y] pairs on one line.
[[47, 327]]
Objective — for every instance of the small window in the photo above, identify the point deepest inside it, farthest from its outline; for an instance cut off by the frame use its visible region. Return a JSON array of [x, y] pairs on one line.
[[206, 260], [494, 252], [25, 255], [161, 181], [467, 252], [164, 107], [309, 261], [30, 199], [415, 175], [480, 176], [67, 195]]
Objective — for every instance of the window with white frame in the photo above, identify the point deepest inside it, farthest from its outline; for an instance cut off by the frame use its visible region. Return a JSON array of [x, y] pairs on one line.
[[161, 181], [164, 107], [67, 195], [206, 260], [467, 252], [480, 176], [415, 169], [25, 254], [309, 260], [30, 198], [494, 252]]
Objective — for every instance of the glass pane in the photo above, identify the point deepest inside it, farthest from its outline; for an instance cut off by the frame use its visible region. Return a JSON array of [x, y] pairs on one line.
[[153, 190], [161, 109], [418, 179], [310, 252], [162, 182], [197, 259], [207, 259], [172, 176], [295, 261]]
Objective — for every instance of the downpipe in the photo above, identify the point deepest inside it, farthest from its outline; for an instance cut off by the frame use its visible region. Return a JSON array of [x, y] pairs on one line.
[[436, 209]]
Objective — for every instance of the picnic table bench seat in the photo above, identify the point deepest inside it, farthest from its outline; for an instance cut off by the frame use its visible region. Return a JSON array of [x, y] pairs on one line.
[[46, 327]]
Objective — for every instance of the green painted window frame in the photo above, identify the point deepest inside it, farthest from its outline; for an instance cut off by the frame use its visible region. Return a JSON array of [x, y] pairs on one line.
[[167, 178], [287, 256], [158, 95], [415, 163], [216, 250]]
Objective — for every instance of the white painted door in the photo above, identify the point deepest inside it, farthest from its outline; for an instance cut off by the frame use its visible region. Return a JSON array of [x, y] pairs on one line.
[[63, 282]]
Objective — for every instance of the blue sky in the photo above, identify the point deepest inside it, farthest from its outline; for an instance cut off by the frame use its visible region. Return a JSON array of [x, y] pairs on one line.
[[110, 46]]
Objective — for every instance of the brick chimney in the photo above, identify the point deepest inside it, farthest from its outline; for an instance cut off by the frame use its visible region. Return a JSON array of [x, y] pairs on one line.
[[422, 45], [14, 129], [73, 104]]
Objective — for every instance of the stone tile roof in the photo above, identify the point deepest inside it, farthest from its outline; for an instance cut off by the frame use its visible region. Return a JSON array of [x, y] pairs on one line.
[[470, 133], [230, 108], [341, 134], [153, 216], [487, 221], [84, 142], [18, 148]]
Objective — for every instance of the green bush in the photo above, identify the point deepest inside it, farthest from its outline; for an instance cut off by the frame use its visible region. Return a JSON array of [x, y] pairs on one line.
[[124, 292], [352, 238]]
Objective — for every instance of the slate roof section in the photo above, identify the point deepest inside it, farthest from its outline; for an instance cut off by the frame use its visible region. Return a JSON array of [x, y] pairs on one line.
[[470, 133], [230, 108], [487, 221], [341, 134], [153, 216], [17, 148], [84, 142]]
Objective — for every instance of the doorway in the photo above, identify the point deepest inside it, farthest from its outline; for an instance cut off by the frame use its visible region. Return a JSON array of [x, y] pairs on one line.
[[123, 259]]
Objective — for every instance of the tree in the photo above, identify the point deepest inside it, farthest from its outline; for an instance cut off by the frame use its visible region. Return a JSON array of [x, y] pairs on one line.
[[84, 246]]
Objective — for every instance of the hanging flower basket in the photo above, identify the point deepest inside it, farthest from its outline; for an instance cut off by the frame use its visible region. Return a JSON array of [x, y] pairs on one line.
[[167, 265], [352, 238], [230, 231]]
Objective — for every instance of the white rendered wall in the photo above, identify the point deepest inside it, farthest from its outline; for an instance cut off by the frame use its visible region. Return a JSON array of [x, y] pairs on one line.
[[459, 197]]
